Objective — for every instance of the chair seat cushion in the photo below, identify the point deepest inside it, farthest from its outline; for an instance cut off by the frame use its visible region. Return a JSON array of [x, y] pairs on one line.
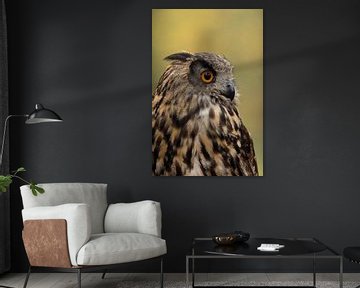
[[114, 248], [352, 253]]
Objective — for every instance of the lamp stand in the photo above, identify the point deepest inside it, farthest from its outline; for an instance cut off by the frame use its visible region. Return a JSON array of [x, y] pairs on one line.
[[4, 135]]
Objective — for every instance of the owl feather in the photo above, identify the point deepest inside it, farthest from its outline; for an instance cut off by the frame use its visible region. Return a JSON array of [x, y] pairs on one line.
[[196, 126]]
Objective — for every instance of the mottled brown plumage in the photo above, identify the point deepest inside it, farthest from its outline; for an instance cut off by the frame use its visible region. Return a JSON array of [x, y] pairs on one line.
[[197, 130]]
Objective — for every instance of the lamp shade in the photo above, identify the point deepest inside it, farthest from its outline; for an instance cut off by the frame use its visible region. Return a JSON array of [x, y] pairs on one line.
[[42, 115]]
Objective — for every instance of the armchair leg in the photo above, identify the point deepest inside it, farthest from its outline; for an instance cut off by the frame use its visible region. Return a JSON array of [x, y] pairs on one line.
[[27, 277], [103, 275], [79, 277], [161, 273]]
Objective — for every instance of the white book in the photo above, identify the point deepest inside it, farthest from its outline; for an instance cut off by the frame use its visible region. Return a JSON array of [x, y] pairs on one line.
[[270, 247]]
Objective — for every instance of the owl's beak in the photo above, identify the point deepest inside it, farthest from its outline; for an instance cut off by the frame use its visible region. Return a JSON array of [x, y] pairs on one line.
[[229, 91]]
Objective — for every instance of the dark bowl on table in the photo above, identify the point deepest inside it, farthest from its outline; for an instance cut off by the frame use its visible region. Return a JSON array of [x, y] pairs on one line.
[[225, 239], [231, 238]]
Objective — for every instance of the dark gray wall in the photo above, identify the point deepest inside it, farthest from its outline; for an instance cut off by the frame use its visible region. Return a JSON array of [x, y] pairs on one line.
[[91, 62]]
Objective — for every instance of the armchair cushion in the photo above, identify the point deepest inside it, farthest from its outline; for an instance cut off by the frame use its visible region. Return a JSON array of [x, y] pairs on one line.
[[78, 221], [113, 248], [92, 194], [138, 217]]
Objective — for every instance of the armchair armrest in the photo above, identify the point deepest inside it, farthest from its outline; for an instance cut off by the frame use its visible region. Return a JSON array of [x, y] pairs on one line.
[[78, 223], [138, 217]]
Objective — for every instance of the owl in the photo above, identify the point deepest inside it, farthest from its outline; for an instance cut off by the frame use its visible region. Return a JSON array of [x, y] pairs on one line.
[[196, 125]]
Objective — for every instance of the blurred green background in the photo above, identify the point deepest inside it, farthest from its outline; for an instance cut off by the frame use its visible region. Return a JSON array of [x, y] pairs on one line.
[[235, 33]]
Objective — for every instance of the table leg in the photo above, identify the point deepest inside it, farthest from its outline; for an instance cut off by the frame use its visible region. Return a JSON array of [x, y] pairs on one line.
[[193, 272], [193, 267], [341, 273], [187, 272], [314, 271]]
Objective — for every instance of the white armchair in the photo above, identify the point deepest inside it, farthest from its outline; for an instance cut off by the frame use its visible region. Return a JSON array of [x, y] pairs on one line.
[[72, 228]]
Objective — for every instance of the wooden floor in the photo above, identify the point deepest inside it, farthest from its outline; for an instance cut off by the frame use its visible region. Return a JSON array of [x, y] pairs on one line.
[[114, 280]]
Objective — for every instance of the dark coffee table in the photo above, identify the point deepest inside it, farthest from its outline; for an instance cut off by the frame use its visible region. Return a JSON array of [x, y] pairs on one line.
[[295, 248]]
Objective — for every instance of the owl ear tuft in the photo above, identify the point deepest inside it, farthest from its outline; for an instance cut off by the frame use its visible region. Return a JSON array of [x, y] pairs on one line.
[[182, 56]]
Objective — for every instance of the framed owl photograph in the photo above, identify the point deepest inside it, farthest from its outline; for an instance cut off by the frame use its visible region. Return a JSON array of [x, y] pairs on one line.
[[207, 97]]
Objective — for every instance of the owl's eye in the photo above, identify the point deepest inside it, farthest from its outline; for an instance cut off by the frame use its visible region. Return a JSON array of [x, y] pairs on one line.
[[207, 76]]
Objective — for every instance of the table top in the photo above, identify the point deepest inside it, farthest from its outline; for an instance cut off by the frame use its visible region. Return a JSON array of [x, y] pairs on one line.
[[293, 247]]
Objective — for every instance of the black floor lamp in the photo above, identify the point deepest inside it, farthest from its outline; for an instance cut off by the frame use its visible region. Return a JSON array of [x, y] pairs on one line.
[[39, 115]]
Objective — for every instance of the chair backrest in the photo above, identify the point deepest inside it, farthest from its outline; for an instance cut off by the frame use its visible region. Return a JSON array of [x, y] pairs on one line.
[[62, 193]]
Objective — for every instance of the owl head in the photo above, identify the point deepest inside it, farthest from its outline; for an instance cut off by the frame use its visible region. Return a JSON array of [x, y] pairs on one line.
[[204, 74]]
